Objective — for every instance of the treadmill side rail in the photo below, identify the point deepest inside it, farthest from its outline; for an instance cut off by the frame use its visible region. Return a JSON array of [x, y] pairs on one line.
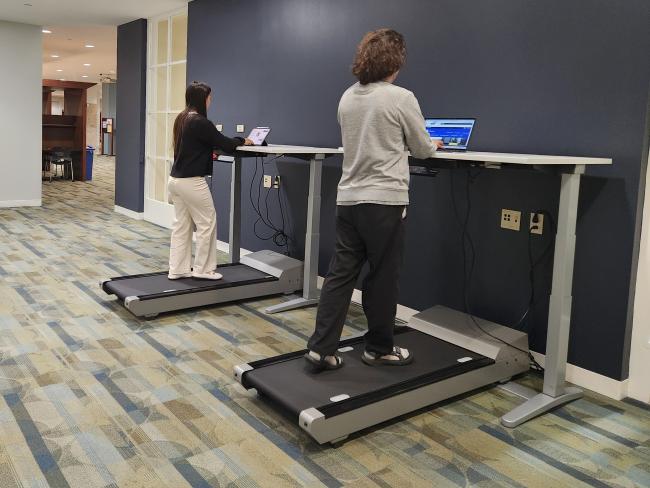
[[240, 370], [330, 429]]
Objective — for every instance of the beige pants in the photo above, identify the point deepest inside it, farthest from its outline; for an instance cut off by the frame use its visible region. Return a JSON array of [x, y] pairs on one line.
[[192, 204]]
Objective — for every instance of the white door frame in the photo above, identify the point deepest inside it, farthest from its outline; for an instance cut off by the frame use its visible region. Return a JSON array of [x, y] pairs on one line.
[[639, 380], [155, 211]]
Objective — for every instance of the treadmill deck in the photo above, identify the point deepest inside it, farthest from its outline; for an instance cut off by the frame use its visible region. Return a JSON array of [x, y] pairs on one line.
[[288, 381], [157, 285]]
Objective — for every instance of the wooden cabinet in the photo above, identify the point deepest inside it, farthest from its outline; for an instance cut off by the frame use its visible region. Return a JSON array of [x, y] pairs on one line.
[[67, 131]]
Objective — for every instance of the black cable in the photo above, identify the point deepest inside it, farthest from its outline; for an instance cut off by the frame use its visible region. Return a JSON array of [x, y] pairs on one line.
[[278, 235], [534, 263], [467, 240]]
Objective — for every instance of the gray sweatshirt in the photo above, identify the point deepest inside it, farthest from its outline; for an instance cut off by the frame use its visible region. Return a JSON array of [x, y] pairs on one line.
[[380, 123]]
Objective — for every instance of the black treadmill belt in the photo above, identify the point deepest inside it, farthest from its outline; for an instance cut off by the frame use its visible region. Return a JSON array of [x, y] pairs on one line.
[[289, 383], [157, 285]]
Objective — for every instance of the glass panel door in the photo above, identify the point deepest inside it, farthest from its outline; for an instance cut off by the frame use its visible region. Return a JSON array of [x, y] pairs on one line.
[[166, 82]]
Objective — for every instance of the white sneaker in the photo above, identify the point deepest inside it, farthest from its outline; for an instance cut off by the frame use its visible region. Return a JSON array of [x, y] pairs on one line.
[[172, 276], [212, 275]]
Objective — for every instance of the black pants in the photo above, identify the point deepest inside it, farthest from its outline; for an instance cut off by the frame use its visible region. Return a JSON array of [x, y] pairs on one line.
[[365, 232]]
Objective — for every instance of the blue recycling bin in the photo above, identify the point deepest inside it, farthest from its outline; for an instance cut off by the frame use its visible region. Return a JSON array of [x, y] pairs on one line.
[[89, 162]]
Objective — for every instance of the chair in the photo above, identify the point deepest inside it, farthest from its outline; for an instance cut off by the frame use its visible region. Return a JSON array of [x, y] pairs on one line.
[[45, 166], [63, 158]]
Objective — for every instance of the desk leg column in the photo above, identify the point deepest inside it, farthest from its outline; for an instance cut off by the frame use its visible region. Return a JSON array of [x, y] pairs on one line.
[[310, 292], [234, 236], [555, 391]]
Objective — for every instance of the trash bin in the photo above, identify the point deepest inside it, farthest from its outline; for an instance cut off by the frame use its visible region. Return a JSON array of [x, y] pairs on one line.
[[89, 162]]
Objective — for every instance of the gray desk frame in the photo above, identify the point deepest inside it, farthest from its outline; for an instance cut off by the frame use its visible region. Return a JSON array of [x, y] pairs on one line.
[[555, 392], [315, 156]]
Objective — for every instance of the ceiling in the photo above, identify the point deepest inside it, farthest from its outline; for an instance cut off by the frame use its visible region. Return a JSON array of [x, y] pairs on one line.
[[69, 44], [84, 12]]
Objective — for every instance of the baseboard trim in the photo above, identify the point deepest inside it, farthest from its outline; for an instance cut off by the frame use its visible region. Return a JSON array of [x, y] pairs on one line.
[[225, 247], [129, 213], [21, 203], [589, 380]]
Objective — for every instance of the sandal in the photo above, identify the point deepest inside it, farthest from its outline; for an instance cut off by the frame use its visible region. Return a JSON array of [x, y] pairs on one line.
[[320, 363], [403, 357]]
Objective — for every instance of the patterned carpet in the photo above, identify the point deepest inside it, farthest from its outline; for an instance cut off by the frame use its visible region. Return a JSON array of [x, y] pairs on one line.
[[93, 397]]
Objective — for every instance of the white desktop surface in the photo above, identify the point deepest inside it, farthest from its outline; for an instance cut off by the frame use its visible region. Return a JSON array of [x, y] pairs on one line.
[[525, 159], [485, 157], [286, 149]]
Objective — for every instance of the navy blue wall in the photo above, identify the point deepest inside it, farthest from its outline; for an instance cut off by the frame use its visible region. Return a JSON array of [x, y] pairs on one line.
[[130, 118], [554, 77]]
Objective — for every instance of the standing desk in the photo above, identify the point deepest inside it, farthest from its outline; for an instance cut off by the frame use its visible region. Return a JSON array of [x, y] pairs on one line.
[[315, 156], [554, 392]]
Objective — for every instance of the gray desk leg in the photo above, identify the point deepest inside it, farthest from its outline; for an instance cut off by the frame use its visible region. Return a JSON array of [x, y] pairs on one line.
[[312, 239], [555, 391], [234, 245]]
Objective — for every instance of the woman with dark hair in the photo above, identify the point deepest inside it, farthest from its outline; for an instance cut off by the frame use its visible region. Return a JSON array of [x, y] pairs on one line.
[[380, 124], [195, 137]]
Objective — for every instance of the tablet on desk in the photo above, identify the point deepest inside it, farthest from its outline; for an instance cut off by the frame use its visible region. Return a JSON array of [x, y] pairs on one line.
[[258, 135]]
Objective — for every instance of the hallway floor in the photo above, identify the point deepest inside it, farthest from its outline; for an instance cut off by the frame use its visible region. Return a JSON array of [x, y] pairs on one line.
[[91, 396]]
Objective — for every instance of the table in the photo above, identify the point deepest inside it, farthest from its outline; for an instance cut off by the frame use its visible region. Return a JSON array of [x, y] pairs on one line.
[[554, 392], [315, 156]]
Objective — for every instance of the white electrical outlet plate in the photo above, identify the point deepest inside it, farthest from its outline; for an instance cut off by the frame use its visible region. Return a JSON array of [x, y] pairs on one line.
[[537, 227], [240, 128], [267, 181], [510, 219], [219, 127]]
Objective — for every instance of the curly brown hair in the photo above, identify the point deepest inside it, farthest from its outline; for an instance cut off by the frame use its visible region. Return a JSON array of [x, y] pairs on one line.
[[380, 53]]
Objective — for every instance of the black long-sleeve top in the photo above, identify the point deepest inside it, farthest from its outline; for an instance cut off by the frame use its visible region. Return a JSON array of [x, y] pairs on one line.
[[199, 138]]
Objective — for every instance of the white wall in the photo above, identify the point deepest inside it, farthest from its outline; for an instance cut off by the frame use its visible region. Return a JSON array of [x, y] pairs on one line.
[[20, 114], [639, 384]]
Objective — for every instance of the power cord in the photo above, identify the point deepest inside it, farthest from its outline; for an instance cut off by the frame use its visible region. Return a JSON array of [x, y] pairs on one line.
[[534, 263], [278, 235], [466, 240]]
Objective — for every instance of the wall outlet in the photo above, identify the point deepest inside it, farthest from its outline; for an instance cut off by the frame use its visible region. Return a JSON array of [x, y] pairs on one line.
[[510, 219], [267, 181], [240, 128], [276, 182], [537, 227], [219, 127]]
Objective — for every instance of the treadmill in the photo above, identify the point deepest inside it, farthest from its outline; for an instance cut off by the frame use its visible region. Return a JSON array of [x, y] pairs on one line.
[[257, 274], [452, 356]]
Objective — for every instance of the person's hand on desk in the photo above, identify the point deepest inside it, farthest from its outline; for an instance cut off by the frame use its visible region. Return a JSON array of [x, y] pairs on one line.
[[439, 144], [248, 142]]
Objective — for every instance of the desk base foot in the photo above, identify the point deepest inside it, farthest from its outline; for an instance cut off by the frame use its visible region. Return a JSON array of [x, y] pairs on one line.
[[292, 305], [535, 404]]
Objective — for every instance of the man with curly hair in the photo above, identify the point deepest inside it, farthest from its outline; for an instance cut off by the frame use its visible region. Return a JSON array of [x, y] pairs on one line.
[[380, 123]]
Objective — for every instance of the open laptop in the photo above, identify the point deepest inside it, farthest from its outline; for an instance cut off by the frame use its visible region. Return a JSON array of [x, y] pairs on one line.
[[454, 133], [258, 135]]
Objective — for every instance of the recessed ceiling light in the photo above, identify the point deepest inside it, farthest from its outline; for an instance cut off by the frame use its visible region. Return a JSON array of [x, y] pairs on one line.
[[86, 64], [54, 56], [59, 70], [84, 76], [89, 45], [61, 79], [45, 31]]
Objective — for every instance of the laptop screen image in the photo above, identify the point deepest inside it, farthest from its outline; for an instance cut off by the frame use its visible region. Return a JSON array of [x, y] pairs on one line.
[[454, 133]]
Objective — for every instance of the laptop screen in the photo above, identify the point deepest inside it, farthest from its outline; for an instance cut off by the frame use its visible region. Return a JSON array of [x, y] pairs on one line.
[[454, 133]]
